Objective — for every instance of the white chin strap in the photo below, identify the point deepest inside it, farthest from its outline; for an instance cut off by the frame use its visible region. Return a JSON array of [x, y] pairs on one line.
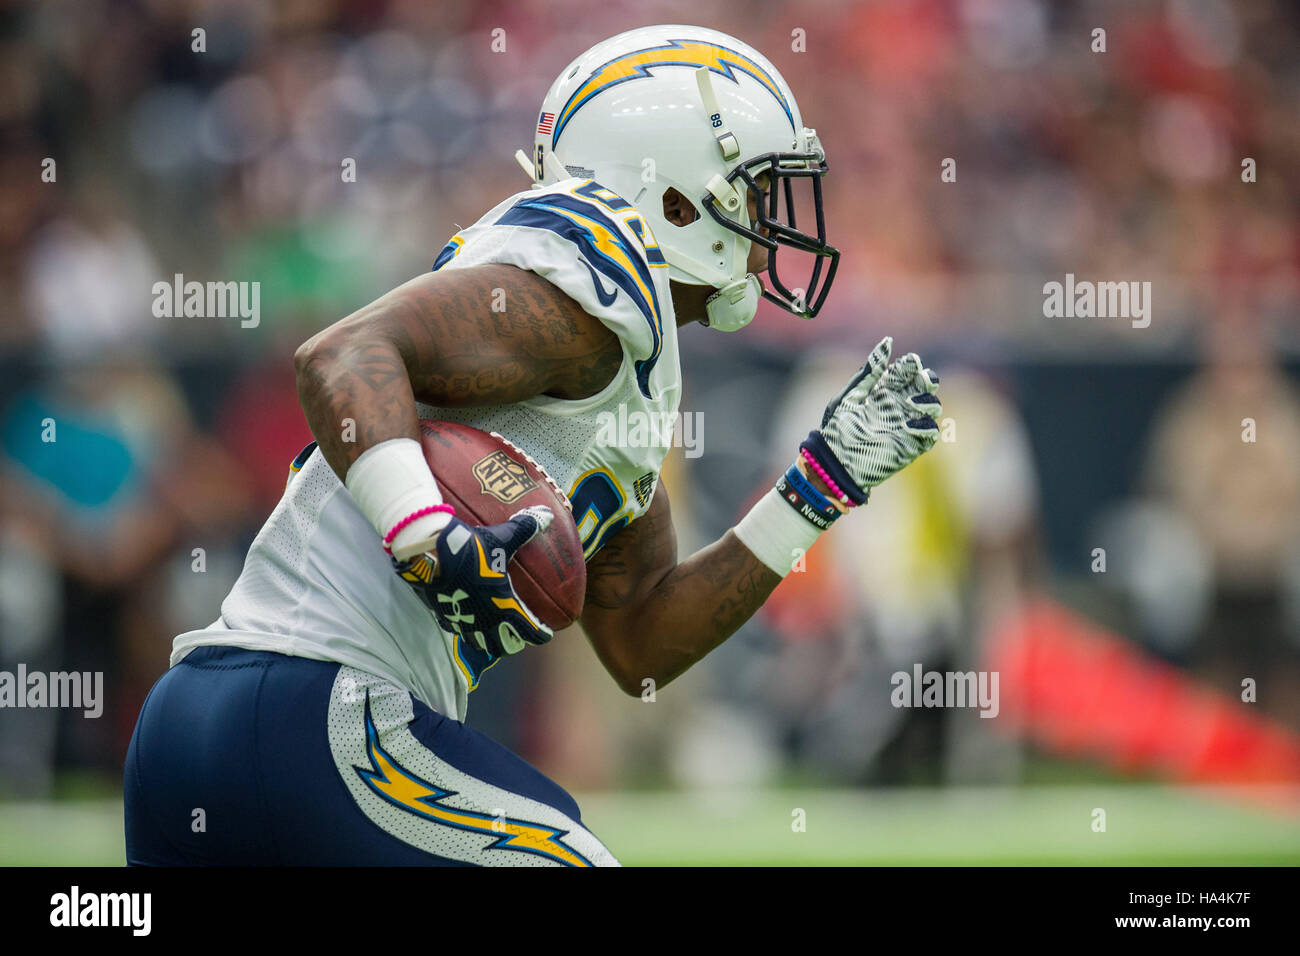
[[734, 305]]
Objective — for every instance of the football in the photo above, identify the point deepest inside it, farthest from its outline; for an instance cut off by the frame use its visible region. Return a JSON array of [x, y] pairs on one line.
[[487, 479]]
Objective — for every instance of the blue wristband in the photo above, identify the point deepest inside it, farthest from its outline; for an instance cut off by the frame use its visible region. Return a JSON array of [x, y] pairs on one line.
[[804, 497], [810, 491]]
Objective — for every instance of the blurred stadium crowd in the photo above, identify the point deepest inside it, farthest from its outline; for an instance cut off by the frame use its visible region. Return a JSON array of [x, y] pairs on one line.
[[1067, 435]]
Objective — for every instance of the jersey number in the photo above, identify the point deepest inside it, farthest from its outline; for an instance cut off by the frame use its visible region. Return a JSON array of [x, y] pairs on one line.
[[598, 503]]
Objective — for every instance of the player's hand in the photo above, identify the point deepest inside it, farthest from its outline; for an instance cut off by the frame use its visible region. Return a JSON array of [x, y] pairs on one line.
[[464, 580], [885, 418]]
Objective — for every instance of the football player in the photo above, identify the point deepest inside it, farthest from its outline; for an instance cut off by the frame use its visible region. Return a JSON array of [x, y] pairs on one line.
[[319, 719]]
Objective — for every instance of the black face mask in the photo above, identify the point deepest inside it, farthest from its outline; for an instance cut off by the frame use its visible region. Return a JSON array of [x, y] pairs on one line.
[[783, 170]]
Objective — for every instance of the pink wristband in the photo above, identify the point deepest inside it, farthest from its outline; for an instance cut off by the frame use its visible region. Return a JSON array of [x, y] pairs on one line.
[[821, 473], [414, 516]]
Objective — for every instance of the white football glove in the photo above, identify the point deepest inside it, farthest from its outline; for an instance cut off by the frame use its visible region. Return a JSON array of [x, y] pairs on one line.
[[886, 417]]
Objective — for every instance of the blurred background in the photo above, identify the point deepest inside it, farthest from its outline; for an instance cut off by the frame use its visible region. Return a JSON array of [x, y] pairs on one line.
[[1111, 523]]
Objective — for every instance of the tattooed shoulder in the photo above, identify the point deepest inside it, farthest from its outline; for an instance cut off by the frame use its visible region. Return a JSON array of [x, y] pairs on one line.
[[495, 334]]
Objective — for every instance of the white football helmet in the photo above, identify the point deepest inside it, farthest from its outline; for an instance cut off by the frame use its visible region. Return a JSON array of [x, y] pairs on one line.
[[698, 111]]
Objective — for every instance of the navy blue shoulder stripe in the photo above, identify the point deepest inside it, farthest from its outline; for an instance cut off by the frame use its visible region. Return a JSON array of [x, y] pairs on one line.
[[448, 253], [603, 249]]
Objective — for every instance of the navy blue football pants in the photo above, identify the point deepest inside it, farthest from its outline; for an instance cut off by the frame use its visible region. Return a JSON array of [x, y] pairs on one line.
[[252, 758]]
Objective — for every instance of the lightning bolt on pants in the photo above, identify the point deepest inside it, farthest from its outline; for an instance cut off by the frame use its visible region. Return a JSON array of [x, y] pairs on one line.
[[244, 757]]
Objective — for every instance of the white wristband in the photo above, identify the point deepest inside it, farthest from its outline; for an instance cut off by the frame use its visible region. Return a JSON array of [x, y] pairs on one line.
[[776, 533], [391, 481]]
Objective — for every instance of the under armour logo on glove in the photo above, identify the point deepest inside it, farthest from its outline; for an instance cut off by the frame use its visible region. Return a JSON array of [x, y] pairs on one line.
[[453, 614], [885, 418], [465, 582]]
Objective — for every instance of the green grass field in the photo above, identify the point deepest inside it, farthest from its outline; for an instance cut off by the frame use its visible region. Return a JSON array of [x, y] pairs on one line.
[[1004, 826]]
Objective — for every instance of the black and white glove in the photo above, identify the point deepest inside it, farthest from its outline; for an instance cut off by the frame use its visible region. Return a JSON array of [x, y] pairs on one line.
[[464, 580], [885, 418]]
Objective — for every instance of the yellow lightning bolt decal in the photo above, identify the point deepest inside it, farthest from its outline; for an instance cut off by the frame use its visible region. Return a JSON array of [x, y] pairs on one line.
[[402, 788], [638, 63]]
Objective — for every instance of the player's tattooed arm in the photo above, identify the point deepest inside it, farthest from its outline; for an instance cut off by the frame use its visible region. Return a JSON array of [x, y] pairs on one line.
[[485, 335], [649, 617]]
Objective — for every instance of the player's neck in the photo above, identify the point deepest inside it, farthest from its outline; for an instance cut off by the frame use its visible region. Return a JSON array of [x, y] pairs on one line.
[[689, 301]]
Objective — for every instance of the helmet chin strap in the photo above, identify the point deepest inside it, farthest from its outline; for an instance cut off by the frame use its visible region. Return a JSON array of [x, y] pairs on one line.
[[734, 305]]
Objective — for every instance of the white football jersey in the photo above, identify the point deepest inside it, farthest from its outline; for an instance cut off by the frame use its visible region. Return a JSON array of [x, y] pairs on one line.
[[317, 582]]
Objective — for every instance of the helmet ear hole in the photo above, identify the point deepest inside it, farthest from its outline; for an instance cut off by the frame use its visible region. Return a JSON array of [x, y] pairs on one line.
[[678, 210]]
